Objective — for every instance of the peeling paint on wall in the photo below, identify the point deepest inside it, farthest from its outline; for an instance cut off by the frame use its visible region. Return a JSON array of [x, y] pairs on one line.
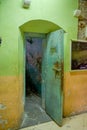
[[83, 21], [2, 107], [3, 122]]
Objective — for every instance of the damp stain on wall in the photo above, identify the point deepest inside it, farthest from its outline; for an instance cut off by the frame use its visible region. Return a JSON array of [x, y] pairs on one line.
[[3, 121]]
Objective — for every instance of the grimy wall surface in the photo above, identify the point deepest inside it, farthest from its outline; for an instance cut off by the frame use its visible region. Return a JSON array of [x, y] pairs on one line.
[[12, 16], [76, 81]]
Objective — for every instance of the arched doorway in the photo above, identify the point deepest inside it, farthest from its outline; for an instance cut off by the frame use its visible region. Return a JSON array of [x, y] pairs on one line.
[[44, 71]]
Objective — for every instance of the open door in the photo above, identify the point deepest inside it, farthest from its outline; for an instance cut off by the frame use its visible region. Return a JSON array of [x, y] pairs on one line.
[[54, 75]]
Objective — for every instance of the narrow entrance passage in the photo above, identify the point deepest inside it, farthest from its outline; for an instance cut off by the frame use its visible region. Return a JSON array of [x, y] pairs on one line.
[[34, 114]]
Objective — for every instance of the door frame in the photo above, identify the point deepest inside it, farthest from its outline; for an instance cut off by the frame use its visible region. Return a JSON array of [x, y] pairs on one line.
[[42, 88]]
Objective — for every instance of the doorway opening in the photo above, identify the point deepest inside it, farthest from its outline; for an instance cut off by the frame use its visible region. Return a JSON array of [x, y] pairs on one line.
[[34, 113], [44, 71]]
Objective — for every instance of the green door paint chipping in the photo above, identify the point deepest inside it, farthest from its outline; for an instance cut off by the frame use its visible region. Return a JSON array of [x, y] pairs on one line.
[[54, 76]]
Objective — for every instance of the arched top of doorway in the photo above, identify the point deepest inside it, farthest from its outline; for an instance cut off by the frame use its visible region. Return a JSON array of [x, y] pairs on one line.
[[39, 26]]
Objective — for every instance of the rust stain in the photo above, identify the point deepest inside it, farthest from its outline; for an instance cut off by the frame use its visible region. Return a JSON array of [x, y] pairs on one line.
[[57, 69]]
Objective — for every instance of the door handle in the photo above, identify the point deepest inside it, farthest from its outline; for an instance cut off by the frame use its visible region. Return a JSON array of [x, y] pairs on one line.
[[57, 69], [57, 72]]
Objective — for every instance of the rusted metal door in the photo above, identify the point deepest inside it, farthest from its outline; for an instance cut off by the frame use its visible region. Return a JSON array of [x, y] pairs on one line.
[[54, 75]]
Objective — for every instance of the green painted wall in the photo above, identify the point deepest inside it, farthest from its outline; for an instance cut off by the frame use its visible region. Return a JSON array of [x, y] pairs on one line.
[[12, 15]]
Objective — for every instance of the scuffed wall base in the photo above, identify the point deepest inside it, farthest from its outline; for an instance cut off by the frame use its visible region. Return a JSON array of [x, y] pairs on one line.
[[75, 93], [11, 104]]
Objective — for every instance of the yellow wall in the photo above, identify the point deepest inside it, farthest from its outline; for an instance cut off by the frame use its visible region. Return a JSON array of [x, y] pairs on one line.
[[75, 99], [11, 104]]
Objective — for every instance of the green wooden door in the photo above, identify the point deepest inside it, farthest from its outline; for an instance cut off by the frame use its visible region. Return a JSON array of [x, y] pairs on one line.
[[54, 76]]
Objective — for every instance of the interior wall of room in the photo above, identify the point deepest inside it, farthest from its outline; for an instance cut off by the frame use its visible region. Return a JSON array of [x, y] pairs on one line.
[[34, 53], [12, 16], [76, 91]]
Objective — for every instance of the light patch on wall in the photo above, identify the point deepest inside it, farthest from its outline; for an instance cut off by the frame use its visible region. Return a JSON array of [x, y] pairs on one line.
[[12, 128], [3, 122], [2, 107]]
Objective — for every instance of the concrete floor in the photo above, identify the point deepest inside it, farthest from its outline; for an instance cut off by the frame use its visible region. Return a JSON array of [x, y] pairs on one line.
[[34, 114], [78, 122]]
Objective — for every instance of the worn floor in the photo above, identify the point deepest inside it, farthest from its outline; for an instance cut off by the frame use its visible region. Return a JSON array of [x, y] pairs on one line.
[[78, 122], [34, 114]]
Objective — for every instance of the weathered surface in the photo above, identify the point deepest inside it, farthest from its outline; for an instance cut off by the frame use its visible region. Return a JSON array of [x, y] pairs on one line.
[[53, 73], [75, 93], [11, 104], [83, 21]]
